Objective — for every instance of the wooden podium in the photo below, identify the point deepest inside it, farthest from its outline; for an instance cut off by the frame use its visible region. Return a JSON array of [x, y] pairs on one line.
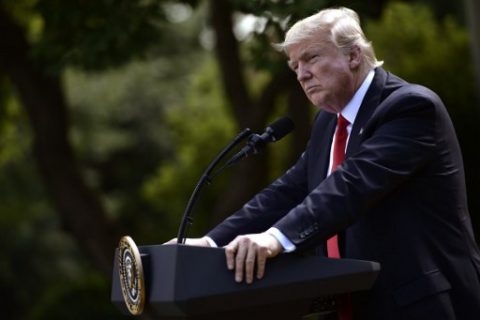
[[186, 282]]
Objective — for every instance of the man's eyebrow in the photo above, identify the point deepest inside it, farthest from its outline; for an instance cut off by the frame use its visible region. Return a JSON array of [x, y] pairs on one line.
[[302, 56], [309, 51]]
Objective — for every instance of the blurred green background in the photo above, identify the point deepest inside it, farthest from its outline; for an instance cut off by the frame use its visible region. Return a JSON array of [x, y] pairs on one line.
[[110, 110]]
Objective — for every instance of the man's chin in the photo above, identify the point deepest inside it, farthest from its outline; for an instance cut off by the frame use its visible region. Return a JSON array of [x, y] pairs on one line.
[[325, 107], [320, 103]]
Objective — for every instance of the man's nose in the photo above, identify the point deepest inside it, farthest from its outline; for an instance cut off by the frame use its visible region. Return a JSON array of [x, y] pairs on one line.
[[303, 72]]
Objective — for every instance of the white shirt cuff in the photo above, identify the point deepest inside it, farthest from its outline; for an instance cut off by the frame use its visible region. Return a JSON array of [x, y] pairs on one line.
[[211, 242], [287, 245]]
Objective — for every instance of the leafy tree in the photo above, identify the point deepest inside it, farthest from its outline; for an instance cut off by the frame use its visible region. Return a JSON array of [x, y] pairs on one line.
[[32, 68], [32, 65]]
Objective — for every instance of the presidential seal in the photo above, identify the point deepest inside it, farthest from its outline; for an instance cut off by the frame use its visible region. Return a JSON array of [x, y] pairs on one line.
[[131, 275]]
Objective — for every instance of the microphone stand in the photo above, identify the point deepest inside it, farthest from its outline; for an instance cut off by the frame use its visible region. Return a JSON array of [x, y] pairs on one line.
[[187, 215]]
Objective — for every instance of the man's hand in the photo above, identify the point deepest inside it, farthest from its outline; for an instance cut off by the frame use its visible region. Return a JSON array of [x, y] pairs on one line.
[[246, 252], [198, 242]]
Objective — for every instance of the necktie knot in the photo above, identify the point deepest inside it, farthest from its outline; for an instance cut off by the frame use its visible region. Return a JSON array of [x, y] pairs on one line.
[[340, 141], [342, 123]]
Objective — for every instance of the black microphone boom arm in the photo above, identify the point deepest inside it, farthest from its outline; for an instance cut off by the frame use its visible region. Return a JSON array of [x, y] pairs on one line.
[[274, 132], [187, 215]]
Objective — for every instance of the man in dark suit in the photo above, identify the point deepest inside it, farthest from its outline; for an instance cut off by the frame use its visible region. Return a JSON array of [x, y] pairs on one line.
[[398, 197]]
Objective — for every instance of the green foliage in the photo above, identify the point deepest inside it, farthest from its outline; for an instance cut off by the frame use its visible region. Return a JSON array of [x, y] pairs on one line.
[[200, 127], [34, 251], [11, 124], [83, 296], [96, 34], [120, 128], [279, 8], [123, 134], [23, 11], [118, 132], [420, 49]]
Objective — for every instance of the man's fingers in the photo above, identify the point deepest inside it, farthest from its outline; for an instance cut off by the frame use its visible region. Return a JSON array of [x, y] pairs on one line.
[[250, 262], [240, 261], [230, 251], [261, 261], [248, 255]]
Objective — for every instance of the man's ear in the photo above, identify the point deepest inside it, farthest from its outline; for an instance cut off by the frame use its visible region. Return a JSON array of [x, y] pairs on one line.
[[355, 57]]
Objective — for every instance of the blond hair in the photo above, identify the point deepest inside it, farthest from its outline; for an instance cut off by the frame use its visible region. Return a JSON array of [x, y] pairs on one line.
[[343, 26]]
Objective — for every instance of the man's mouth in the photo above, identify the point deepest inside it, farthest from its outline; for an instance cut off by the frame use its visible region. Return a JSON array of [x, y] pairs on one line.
[[311, 89]]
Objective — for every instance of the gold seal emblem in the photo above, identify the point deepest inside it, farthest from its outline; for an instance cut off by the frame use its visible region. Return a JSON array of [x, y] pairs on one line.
[[131, 275]]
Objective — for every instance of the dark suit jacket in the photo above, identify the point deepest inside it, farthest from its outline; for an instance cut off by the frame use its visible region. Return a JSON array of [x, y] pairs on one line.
[[399, 198]]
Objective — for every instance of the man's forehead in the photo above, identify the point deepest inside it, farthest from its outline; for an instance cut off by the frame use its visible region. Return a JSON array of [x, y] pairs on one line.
[[297, 50]]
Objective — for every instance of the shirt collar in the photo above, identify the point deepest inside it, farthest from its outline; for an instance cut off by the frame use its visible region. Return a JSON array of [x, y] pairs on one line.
[[351, 109]]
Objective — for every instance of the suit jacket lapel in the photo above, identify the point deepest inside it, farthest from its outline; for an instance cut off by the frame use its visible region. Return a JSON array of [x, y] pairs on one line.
[[369, 104], [320, 147]]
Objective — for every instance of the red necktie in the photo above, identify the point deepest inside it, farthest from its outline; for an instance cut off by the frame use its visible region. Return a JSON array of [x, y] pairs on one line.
[[339, 145]]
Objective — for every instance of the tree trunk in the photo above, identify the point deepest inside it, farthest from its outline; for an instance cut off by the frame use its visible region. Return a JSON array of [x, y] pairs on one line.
[[251, 174], [42, 97]]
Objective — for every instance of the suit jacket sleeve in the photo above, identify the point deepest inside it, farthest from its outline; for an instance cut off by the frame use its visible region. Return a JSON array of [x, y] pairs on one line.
[[267, 207], [397, 141]]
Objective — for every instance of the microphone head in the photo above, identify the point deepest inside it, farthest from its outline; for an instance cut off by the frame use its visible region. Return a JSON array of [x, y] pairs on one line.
[[280, 128]]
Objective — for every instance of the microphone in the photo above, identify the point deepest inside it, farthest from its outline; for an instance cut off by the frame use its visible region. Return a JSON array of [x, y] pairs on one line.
[[256, 142]]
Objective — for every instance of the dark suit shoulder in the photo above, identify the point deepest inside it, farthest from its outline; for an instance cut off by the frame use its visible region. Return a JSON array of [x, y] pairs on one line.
[[413, 97], [386, 83], [405, 90]]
